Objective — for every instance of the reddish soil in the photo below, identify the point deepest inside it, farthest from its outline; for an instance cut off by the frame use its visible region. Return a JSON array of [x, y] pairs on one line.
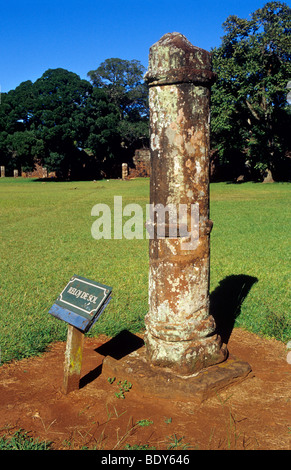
[[254, 414]]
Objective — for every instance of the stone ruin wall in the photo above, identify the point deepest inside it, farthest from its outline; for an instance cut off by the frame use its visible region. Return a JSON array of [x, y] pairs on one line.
[[141, 162]]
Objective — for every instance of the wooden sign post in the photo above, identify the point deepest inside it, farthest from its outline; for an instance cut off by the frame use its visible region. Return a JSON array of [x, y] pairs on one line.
[[80, 304], [73, 359]]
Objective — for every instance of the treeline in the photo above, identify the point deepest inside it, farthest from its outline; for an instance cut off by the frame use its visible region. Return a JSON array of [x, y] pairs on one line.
[[250, 114], [81, 128], [74, 127]]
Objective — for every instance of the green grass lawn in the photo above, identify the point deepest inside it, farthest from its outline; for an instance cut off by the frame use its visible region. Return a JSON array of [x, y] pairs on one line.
[[46, 238]]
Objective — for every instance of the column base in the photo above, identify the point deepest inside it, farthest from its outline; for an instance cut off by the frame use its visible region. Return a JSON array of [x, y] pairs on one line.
[[150, 381], [185, 357]]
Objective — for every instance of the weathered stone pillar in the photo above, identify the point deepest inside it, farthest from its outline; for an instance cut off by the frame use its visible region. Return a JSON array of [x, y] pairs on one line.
[[2, 171], [15, 173], [180, 333], [124, 170]]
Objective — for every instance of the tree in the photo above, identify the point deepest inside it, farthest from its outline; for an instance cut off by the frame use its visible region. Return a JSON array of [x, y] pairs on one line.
[[60, 99], [250, 115], [61, 122], [25, 150], [42, 122], [103, 140], [122, 80], [15, 113]]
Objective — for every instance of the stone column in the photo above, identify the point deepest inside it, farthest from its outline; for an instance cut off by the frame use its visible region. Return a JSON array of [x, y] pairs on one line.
[[15, 173], [2, 171], [124, 170], [180, 333]]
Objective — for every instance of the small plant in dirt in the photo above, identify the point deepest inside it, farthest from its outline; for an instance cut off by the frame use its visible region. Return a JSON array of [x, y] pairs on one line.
[[123, 388], [176, 443], [138, 447], [144, 422]]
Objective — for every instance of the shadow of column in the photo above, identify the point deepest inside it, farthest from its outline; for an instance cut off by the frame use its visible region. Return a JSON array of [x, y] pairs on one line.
[[121, 345], [226, 301], [118, 347]]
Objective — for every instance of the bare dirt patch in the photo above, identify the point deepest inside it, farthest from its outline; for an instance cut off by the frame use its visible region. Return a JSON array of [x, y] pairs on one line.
[[254, 414]]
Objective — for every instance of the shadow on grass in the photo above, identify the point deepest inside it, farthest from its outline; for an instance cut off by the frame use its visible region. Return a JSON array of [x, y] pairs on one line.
[[226, 301], [46, 180], [121, 345]]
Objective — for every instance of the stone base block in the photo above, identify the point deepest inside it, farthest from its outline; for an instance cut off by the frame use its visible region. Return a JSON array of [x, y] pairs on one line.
[[152, 381]]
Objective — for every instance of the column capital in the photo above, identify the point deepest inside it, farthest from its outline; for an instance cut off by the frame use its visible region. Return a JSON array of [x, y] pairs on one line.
[[173, 59]]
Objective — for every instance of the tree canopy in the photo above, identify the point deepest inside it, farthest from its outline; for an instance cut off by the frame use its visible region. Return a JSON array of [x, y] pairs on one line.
[[60, 98], [250, 114], [60, 122], [122, 80], [67, 124]]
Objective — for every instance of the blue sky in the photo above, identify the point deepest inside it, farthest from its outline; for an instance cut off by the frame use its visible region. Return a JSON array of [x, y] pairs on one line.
[[36, 35]]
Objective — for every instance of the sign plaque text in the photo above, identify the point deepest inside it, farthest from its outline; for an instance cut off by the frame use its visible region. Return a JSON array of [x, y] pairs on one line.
[[81, 302]]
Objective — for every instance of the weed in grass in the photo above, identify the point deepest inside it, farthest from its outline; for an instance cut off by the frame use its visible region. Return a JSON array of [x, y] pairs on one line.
[[21, 440]]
